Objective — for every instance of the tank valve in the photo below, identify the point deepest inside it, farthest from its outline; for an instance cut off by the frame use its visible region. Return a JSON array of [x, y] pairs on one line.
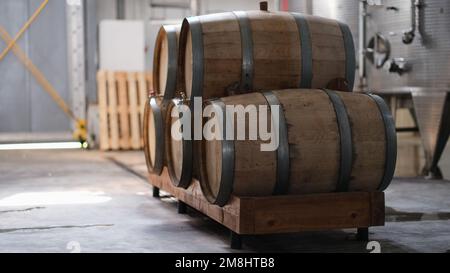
[[408, 37], [398, 65]]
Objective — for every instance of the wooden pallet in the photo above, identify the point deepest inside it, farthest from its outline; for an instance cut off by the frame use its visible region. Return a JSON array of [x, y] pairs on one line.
[[282, 214], [121, 99]]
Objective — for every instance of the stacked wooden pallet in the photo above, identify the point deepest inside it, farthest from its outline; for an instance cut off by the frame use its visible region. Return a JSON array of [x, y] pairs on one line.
[[121, 99]]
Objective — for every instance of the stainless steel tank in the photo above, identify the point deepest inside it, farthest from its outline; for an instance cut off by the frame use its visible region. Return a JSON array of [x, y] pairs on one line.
[[426, 59], [406, 51], [422, 63]]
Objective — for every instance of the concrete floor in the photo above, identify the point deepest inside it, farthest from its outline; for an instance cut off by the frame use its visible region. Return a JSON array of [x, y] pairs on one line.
[[58, 201]]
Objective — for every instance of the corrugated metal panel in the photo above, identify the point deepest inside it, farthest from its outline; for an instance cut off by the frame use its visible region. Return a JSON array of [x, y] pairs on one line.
[[429, 55], [24, 105], [14, 92]]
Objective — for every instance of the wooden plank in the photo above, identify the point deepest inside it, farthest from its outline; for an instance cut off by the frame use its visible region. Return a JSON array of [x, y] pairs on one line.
[[307, 212], [134, 111], [280, 214], [143, 91], [113, 121], [124, 125], [103, 110], [193, 196], [377, 202]]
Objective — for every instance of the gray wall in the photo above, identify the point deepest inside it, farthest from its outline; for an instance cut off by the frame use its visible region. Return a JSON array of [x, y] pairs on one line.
[[24, 105], [91, 47]]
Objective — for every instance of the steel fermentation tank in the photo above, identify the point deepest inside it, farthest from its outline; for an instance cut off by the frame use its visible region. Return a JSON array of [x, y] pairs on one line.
[[405, 57]]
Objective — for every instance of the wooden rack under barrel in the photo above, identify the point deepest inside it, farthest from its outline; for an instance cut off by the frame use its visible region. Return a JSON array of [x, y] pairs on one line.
[[281, 214]]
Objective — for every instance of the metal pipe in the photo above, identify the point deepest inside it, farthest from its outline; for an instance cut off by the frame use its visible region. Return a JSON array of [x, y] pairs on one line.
[[408, 36], [308, 7], [362, 29], [120, 6], [277, 5], [195, 7], [179, 5]]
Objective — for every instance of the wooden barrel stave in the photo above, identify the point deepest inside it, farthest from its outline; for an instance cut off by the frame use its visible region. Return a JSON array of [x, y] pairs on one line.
[[253, 166], [276, 50], [313, 137], [368, 143]]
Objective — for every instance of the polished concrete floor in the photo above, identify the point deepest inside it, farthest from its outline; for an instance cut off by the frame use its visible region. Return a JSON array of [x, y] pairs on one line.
[[88, 201]]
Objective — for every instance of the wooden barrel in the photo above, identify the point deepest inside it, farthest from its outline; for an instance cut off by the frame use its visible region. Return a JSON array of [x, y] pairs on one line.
[[166, 80], [328, 141], [178, 151], [154, 119], [166, 76], [238, 52]]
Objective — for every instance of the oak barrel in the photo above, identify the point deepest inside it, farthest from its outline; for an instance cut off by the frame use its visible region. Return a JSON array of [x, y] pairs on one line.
[[238, 52], [166, 75], [178, 152], [154, 124], [328, 142], [166, 80]]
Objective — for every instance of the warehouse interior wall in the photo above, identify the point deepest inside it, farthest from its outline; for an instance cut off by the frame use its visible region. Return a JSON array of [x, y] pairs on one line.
[[24, 105], [157, 12]]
